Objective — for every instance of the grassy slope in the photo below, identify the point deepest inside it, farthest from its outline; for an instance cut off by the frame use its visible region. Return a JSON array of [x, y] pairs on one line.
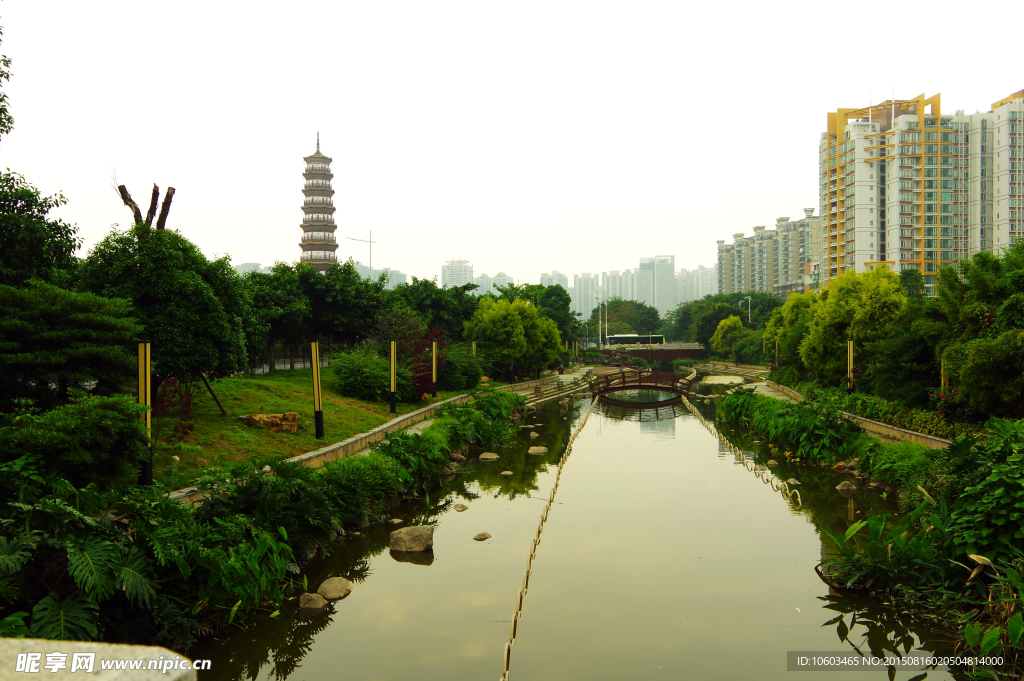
[[220, 440]]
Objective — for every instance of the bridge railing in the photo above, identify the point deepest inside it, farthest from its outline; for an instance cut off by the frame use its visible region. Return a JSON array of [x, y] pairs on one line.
[[649, 379]]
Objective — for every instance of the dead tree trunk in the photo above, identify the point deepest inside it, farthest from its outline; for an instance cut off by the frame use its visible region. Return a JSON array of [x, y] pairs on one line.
[[126, 197], [165, 208], [153, 201]]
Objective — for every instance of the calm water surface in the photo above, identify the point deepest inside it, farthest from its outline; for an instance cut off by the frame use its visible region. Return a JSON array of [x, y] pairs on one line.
[[662, 558]]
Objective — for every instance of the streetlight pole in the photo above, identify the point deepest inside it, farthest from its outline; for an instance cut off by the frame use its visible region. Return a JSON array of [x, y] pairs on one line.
[[748, 309], [367, 240]]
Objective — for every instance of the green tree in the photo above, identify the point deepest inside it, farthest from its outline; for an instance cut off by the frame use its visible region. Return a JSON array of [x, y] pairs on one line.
[[444, 308], [857, 307], [342, 304], [6, 120], [787, 327], [912, 282], [53, 341], [696, 321], [279, 311], [635, 314], [32, 246], [193, 309], [730, 331], [516, 333], [556, 304]]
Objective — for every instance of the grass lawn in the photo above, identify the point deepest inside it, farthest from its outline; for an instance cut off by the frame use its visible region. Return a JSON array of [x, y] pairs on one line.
[[221, 440]]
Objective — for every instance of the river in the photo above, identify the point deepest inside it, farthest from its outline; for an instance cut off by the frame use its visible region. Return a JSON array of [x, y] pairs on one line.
[[662, 557]]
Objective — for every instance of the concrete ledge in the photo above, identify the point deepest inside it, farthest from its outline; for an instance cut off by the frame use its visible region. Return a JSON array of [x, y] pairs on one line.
[[11, 648], [877, 427], [318, 457]]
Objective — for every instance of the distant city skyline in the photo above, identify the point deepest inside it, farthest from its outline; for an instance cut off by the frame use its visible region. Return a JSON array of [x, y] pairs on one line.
[[597, 163]]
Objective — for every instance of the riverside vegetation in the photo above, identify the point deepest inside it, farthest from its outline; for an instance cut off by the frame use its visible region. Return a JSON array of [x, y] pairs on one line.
[[128, 564], [955, 553]]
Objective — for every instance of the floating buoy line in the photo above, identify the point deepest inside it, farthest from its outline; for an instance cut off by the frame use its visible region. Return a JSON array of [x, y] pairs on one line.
[[765, 475]]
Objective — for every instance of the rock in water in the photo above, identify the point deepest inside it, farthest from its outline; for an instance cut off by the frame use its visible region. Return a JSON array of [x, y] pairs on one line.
[[396, 521], [534, 435], [507, 473], [414, 557], [311, 603], [846, 486], [792, 481], [773, 462], [483, 536], [536, 451], [335, 588], [489, 456], [415, 538], [456, 457], [460, 507]]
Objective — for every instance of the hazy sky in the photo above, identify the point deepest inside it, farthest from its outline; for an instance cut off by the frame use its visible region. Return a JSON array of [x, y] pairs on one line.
[[523, 137]]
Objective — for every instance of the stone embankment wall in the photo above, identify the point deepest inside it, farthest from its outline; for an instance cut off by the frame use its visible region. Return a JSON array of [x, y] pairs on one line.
[[876, 427], [356, 443]]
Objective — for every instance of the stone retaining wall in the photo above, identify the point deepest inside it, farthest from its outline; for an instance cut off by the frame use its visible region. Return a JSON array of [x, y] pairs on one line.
[[877, 427], [361, 441]]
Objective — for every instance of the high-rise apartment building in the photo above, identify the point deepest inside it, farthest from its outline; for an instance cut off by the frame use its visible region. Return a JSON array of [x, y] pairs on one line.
[[797, 247], [695, 284], [665, 290], [586, 289], [774, 261], [644, 291], [502, 279], [456, 273], [903, 185], [554, 278], [485, 284]]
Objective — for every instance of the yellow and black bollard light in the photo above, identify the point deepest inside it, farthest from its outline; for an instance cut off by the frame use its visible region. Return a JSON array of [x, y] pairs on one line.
[[434, 379], [849, 366], [474, 348], [146, 400], [394, 395], [318, 405]]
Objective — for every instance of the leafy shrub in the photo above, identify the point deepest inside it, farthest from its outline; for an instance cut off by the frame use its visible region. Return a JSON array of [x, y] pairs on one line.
[[638, 363], [420, 457], [988, 514], [906, 465], [593, 358], [787, 376], [805, 430], [462, 370], [91, 440], [893, 413], [360, 486], [366, 377]]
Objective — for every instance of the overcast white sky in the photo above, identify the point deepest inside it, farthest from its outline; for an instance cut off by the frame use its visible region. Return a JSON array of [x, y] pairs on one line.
[[524, 136]]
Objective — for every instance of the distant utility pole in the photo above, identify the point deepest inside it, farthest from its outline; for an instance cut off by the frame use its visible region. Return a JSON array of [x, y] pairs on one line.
[[367, 240], [748, 309]]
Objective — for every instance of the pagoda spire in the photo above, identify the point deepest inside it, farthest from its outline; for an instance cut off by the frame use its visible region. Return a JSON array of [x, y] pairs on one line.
[[318, 141]]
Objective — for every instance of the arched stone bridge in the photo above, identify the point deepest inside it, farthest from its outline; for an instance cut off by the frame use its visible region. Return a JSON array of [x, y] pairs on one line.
[[651, 380]]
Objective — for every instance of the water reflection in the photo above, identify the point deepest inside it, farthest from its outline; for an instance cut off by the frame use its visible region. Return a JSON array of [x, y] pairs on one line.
[[658, 561]]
